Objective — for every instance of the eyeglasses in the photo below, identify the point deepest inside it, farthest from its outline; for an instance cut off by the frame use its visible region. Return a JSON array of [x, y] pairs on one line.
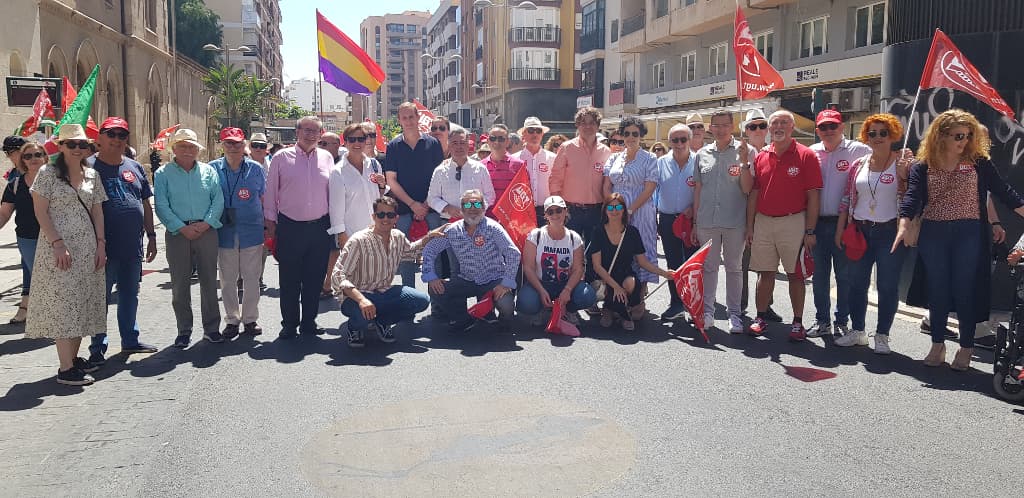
[[258, 145], [458, 173], [75, 144], [498, 139], [473, 204], [232, 143], [120, 135], [438, 128], [614, 207], [458, 142], [323, 143], [386, 214], [679, 140], [373, 136], [616, 142], [554, 210], [696, 126], [757, 126], [828, 126], [959, 137], [34, 155], [353, 140], [878, 133], [631, 133], [535, 130]]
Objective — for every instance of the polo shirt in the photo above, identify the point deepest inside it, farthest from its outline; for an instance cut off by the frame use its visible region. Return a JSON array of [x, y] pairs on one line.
[[835, 170], [722, 201], [675, 184], [188, 195], [502, 172], [782, 181], [413, 167], [127, 186], [243, 192]]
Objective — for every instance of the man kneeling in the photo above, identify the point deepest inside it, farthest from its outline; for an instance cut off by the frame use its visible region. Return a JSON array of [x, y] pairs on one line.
[[487, 261], [364, 271]]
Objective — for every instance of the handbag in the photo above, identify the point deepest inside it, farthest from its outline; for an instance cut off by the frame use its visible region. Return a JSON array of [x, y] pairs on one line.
[[600, 289], [854, 241]]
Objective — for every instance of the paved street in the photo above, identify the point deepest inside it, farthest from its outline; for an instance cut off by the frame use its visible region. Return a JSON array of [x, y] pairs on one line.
[[657, 412]]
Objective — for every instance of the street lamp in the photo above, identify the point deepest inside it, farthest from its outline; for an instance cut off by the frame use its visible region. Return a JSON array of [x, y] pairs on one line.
[[524, 5], [227, 51]]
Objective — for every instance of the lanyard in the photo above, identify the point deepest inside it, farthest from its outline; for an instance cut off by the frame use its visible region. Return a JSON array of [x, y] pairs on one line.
[[234, 187]]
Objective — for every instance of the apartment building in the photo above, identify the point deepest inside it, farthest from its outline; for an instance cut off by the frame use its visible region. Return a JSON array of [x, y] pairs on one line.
[[443, 63], [675, 57], [307, 94], [395, 42], [254, 25], [518, 61]]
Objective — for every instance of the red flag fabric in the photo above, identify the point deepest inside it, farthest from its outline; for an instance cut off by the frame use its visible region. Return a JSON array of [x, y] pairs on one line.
[[91, 130], [271, 244], [418, 230], [946, 67], [482, 307], [382, 145], [805, 263], [41, 109], [755, 76], [426, 117], [556, 316], [160, 143], [514, 210], [682, 227], [689, 281]]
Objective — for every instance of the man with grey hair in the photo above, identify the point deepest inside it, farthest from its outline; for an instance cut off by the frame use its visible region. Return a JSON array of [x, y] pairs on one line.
[[488, 262], [455, 176], [515, 143], [675, 199]]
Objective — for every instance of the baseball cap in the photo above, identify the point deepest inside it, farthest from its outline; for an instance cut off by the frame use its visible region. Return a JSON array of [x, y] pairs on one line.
[[114, 122], [554, 200], [13, 142], [232, 134], [829, 116]]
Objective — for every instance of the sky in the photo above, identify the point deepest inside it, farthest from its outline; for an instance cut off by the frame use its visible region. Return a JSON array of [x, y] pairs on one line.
[[298, 26]]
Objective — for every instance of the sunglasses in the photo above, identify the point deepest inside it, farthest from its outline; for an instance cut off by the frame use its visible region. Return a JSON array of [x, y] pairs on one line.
[[75, 144], [458, 173], [353, 140], [696, 126], [258, 145], [757, 126], [373, 136], [631, 133], [960, 137], [614, 207], [438, 128], [120, 135], [828, 126], [232, 143], [34, 155], [679, 140], [386, 214], [554, 210], [474, 204], [497, 139], [878, 133], [616, 142], [657, 149], [535, 130]]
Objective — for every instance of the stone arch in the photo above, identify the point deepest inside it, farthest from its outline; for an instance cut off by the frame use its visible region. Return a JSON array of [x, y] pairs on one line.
[[112, 101], [17, 65], [56, 62], [85, 60], [154, 101]]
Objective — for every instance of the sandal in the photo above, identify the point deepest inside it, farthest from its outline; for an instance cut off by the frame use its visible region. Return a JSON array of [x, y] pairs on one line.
[[21, 315]]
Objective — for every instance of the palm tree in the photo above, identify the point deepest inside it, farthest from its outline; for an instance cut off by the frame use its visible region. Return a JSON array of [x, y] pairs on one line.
[[239, 97]]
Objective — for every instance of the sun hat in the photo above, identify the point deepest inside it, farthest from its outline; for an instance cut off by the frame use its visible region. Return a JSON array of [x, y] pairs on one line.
[[533, 122], [186, 135], [72, 131]]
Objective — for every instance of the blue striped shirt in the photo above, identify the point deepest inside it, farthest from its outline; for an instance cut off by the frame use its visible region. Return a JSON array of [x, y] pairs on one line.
[[487, 255]]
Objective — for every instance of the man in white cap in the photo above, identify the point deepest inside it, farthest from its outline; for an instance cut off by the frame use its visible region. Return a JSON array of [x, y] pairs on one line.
[[538, 162], [258, 147], [756, 128], [696, 124], [189, 203]]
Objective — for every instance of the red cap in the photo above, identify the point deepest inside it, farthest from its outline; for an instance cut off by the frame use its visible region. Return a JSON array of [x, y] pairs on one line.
[[231, 134], [829, 116], [114, 122]]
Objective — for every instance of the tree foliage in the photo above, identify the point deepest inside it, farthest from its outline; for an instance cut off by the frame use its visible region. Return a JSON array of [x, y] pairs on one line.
[[390, 128], [288, 110], [197, 26], [240, 98]]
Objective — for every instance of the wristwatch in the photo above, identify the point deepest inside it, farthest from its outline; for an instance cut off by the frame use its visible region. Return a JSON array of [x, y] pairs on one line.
[[809, 231]]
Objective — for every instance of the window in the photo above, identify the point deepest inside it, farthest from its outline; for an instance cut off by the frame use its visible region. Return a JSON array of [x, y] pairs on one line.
[[687, 3], [410, 28], [716, 59], [813, 36], [480, 71], [615, 30], [763, 42], [151, 15], [688, 67], [658, 75], [870, 25], [660, 8]]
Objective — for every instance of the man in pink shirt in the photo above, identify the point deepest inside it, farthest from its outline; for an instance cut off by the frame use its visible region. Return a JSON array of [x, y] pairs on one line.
[[578, 173], [295, 212], [501, 166]]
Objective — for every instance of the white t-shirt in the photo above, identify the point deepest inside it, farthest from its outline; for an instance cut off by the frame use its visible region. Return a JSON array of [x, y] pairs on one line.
[[554, 257], [878, 191]]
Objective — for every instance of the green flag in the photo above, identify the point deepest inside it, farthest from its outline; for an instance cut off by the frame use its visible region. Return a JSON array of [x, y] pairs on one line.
[[78, 111]]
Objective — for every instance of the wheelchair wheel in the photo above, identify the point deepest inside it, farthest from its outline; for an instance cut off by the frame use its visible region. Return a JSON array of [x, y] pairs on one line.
[[1007, 388]]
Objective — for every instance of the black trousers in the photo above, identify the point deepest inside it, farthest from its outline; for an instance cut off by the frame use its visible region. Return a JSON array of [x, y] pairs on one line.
[[676, 253], [303, 248]]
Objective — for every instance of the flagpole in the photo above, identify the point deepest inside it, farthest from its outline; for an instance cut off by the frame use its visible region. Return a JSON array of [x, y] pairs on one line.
[[910, 119], [320, 98]]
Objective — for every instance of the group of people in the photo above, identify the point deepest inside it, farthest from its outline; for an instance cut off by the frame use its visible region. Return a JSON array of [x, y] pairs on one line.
[[344, 220]]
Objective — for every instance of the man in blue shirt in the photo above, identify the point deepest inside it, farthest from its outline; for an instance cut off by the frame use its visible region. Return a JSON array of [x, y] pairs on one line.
[[488, 261], [189, 202], [675, 198], [130, 213], [240, 239]]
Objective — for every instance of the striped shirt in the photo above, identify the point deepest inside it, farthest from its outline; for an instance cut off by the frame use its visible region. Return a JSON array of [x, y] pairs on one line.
[[502, 172], [368, 265], [485, 256]]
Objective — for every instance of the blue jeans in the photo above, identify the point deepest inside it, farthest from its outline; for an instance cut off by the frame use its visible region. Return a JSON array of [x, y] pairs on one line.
[[457, 290], [394, 305], [887, 277], [126, 273], [27, 248], [826, 256], [950, 252], [528, 301], [407, 270]]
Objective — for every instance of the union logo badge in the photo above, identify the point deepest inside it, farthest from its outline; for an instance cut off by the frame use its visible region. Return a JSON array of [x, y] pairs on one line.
[[520, 198], [244, 194], [543, 167], [843, 165], [965, 167], [793, 171], [479, 240], [734, 170], [128, 176], [887, 178], [690, 181]]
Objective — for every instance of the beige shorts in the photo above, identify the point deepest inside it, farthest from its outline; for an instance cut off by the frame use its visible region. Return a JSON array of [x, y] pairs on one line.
[[775, 239]]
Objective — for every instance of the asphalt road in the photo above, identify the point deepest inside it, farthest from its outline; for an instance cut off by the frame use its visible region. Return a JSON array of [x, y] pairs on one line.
[[655, 412]]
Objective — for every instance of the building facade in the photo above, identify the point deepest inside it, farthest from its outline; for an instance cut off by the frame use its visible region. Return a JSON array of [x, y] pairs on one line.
[[443, 63], [395, 42], [255, 25], [307, 93]]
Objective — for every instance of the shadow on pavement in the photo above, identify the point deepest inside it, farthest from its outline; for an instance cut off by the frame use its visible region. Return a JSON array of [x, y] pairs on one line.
[[30, 395], [23, 345]]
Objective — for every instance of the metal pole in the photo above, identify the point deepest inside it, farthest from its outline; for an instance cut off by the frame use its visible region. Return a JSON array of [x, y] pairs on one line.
[[174, 58]]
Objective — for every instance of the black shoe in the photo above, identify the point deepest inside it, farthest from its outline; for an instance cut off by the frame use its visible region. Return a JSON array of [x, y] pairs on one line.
[[772, 316], [253, 329], [74, 376], [230, 331], [182, 341], [460, 327], [355, 338], [438, 314], [213, 336], [140, 347], [674, 312], [313, 331], [386, 334], [97, 359], [85, 365], [490, 318], [949, 335], [986, 342], [288, 333]]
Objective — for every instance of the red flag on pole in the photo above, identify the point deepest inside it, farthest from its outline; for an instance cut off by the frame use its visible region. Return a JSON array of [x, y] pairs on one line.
[[946, 67], [755, 76], [689, 281], [42, 109], [160, 142], [426, 117], [482, 307], [514, 210]]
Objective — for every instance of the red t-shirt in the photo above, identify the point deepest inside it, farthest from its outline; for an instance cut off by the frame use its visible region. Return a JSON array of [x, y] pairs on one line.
[[782, 181]]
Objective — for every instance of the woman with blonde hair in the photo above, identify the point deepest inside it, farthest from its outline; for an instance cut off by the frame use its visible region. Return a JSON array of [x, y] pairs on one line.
[[554, 142], [947, 188], [17, 202]]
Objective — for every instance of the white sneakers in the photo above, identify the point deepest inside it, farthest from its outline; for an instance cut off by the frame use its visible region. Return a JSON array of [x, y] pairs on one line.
[[853, 338], [882, 344], [735, 324]]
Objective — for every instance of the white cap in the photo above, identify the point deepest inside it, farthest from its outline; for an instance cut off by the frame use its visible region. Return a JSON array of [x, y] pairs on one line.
[[554, 200]]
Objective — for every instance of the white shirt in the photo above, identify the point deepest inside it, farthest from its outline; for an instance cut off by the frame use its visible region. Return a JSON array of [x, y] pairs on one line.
[[539, 168], [351, 195], [554, 257], [445, 189], [878, 190], [835, 171]]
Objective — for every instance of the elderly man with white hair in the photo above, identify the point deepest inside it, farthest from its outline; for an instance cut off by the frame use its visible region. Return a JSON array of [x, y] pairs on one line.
[[675, 199]]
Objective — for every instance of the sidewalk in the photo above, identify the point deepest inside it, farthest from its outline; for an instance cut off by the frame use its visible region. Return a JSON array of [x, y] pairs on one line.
[[10, 272]]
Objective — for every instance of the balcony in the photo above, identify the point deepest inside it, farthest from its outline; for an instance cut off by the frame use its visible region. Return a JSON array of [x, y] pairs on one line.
[[545, 77], [633, 24], [535, 36], [621, 97], [702, 17], [593, 40], [634, 38]]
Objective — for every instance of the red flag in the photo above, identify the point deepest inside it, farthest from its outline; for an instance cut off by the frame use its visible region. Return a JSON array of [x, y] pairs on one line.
[[41, 109], [426, 117], [160, 143], [382, 144], [482, 307], [946, 67], [755, 76], [689, 281], [805, 263], [91, 130], [514, 210], [556, 325]]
